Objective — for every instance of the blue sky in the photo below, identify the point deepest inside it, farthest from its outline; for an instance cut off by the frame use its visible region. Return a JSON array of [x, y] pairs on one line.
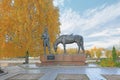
[[82, 5], [98, 21]]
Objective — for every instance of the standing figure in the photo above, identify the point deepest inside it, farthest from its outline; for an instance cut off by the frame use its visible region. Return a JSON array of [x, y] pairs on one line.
[[45, 37]]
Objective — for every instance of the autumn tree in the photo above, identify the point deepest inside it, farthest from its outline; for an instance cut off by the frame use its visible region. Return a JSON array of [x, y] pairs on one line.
[[72, 50], [87, 52], [118, 53], [22, 23], [92, 53], [96, 52], [108, 53]]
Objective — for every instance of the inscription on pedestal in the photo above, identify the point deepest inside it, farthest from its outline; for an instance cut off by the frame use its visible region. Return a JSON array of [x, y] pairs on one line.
[[51, 57]]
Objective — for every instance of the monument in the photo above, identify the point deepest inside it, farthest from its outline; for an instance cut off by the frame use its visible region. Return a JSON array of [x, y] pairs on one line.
[[46, 39], [1, 71], [68, 39], [66, 58], [26, 58]]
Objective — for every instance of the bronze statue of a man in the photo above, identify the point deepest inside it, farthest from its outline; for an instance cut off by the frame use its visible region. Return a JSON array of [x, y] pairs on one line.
[[46, 39]]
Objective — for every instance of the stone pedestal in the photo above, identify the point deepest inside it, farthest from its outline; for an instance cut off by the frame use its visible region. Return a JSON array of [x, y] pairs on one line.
[[64, 59]]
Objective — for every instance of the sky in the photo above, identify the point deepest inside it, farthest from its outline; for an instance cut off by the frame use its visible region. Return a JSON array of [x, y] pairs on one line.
[[98, 21]]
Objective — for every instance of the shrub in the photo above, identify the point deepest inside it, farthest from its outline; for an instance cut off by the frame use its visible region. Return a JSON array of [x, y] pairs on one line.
[[117, 64], [107, 63]]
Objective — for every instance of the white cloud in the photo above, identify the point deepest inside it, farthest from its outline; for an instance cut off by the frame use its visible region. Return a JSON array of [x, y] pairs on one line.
[[106, 33], [58, 2], [70, 17], [100, 34], [105, 44], [69, 21], [105, 15], [91, 12], [95, 21]]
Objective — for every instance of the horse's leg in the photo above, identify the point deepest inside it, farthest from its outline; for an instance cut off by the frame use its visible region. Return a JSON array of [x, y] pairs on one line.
[[64, 48], [78, 48], [82, 47]]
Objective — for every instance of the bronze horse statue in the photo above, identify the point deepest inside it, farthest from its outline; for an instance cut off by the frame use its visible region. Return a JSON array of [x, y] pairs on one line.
[[68, 39]]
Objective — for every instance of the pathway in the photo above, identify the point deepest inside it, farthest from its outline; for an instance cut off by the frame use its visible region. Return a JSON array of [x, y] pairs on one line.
[[92, 71]]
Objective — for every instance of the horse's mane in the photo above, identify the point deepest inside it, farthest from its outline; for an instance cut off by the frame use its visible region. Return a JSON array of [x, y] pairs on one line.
[[65, 35], [60, 36]]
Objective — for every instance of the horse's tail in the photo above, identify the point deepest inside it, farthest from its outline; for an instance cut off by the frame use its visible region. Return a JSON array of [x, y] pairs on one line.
[[82, 43]]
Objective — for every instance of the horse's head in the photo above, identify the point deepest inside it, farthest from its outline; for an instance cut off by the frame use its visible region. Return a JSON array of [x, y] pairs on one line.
[[55, 47]]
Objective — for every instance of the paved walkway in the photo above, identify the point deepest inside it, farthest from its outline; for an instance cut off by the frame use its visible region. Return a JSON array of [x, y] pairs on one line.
[[92, 71]]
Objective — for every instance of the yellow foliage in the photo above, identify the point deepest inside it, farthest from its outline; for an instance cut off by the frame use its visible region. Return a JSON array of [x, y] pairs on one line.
[[23, 22], [96, 51]]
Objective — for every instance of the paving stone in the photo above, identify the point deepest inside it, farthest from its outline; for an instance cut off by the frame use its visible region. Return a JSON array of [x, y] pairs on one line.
[[26, 76], [72, 77], [51, 72], [112, 77]]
